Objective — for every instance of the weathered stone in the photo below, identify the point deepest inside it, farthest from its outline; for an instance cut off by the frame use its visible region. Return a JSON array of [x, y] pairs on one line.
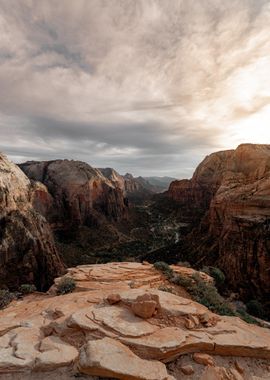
[[55, 353], [109, 358], [203, 359], [27, 250], [187, 369], [145, 306], [84, 316], [228, 202], [238, 367], [113, 298]]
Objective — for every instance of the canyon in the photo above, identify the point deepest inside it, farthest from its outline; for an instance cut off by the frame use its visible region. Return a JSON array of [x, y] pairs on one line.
[[227, 202], [57, 215]]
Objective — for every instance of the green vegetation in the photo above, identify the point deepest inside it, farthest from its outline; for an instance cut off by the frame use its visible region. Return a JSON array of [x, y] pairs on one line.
[[66, 285], [27, 288], [164, 268], [217, 274], [255, 308], [204, 293], [5, 298], [185, 264], [167, 289]]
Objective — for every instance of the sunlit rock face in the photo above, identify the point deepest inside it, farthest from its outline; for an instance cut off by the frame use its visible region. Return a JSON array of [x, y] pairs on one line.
[[27, 250], [83, 334], [229, 194], [77, 193]]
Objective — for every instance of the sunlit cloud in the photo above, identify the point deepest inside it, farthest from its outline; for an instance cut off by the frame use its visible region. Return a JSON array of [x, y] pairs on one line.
[[148, 87]]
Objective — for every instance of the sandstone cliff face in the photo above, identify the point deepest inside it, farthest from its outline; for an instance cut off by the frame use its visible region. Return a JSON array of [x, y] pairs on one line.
[[137, 332], [229, 194], [77, 193], [27, 250]]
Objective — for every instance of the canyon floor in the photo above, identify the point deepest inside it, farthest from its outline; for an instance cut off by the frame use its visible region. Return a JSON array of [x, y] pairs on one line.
[[118, 324]]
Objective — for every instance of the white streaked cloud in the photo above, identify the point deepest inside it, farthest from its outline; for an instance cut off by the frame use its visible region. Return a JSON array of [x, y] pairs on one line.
[[145, 86]]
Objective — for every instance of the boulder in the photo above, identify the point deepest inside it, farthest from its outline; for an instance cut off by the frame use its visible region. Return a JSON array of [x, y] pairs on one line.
[[109, 358], [145, 306]]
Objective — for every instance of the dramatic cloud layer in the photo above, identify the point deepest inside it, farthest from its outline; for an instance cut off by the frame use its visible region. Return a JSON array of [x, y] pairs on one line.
[[145, 86]]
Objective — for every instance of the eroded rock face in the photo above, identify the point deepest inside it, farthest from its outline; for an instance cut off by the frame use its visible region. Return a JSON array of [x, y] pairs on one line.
[[27, 250], [80, 193], [83, 333], [229, 197]]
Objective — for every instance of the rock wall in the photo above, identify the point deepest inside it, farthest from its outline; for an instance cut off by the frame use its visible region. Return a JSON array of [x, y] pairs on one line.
[[228, 201], [27, 250], [77, 193]]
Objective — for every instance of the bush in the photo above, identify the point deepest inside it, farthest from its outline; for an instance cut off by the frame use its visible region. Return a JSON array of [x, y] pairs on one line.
[[27, 288], [183, 281], [204, 293], [216, 273], [165, 289], [246, 317], [164, 268], [66, 285], [5, 298], [255, 308], [185, 264]]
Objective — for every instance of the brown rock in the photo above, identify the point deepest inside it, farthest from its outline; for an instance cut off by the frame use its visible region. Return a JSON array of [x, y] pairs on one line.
[[232, 191], [113, 298], [203, 359], [238, 367], [145, 306], [27, 250], [80, 194], [110, 358], [187, 369], [145, 344], [189, 324]]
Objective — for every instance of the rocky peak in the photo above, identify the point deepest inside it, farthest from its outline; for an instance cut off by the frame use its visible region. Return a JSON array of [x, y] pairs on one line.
[[26, 243], [227, 201], [79, 192]]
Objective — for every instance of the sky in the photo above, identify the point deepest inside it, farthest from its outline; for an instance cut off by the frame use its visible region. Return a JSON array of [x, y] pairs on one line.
[[144, 86]]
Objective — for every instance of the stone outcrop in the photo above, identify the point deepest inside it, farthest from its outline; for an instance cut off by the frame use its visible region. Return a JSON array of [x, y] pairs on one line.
[[82, 333], [228, 202], [77, 193], [27, 250]]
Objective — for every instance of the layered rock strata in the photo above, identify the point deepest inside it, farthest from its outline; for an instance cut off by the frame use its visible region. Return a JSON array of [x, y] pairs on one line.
[[83, 333], [27, 250], [228, 202]]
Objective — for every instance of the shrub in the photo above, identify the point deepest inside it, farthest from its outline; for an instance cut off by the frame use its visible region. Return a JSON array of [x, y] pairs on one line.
[[216, 273], [5, 298], [183, 281], [204, 293], [66, 285], [164, 268], [255, 308], [27, 288], [246, 317], [165, 289], [185, 264]]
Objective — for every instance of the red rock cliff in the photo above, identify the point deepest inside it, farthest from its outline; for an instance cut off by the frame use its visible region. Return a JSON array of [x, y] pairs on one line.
[[77, 193], [229, 194], [27, 250]]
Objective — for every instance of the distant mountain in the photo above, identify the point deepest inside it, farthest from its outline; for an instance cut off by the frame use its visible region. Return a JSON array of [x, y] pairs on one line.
[[159, 184]]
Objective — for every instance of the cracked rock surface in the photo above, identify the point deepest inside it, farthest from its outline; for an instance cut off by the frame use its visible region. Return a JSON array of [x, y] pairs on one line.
[[45, 336]]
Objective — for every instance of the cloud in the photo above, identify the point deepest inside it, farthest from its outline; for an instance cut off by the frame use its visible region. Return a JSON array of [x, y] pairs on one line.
[[148, 87]]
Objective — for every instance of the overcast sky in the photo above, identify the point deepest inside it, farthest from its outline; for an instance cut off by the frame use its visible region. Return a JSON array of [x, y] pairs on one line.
[[145, 86]]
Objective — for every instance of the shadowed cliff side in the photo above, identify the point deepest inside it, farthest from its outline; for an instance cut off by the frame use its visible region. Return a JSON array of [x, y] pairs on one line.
[[27, 250], [228, 202]]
